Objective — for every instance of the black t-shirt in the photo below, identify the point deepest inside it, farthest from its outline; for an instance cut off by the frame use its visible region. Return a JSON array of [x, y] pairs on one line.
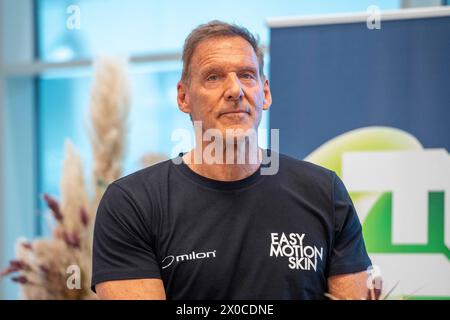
[[263, 237]]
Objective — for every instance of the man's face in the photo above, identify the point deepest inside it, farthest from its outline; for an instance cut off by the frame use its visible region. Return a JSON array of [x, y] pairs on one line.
[[225, 90]]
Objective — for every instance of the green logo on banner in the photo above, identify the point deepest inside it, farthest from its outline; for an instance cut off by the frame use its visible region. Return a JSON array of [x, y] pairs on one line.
[[400, 191]]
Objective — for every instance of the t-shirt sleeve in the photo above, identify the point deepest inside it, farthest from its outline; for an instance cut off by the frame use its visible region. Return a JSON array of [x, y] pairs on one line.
[[349, 253], [122, 244]]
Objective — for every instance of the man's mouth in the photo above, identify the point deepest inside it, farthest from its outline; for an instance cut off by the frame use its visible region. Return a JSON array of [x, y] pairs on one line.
[[234, 112]]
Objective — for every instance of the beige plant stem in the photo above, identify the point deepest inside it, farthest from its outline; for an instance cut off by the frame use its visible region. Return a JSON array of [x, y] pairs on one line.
[[109, 112]]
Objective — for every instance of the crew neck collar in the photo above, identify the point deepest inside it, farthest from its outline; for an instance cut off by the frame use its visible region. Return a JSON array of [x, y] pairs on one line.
[[184, 169]]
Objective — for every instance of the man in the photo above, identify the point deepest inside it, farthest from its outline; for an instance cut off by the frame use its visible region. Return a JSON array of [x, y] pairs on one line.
[[193, 228]]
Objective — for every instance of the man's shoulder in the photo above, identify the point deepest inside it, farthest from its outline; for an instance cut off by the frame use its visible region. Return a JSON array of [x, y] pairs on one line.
[[144, 178], [306, 169], [307, 178]]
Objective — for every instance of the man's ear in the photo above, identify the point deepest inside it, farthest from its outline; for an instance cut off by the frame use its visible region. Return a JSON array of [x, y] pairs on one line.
[[267, 95], [182, 97]]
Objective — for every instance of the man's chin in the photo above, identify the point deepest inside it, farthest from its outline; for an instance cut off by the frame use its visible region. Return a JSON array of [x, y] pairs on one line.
[[225, 129], [236, 129], [238, 133]]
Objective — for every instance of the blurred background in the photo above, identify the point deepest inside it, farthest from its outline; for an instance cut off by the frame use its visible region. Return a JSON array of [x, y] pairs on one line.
[[46, 78]]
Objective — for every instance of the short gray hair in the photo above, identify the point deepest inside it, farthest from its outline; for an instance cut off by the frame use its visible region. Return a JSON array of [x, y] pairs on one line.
[[217, 29]]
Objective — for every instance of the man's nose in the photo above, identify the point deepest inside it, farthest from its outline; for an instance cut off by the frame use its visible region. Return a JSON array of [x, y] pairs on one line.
[[233, 91]]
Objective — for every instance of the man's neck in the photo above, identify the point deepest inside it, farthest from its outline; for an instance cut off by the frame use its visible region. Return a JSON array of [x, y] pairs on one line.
[[223, 171]]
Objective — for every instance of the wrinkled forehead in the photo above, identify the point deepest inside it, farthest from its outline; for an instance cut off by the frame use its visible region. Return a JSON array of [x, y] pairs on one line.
[[224, 52]]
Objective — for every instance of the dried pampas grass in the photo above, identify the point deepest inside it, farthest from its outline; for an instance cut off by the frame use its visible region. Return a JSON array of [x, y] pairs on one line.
[[109, 112], [60, 267], [152, 158]]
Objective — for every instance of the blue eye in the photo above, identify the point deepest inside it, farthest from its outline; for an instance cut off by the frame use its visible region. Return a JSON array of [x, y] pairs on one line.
[[212, 77]]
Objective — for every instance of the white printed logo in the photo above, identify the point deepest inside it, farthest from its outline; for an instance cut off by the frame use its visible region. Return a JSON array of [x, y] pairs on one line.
[[301, 257], [169, 260]]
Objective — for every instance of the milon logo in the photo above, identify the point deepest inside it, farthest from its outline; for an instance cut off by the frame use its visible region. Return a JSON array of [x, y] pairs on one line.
[[169, 260]]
